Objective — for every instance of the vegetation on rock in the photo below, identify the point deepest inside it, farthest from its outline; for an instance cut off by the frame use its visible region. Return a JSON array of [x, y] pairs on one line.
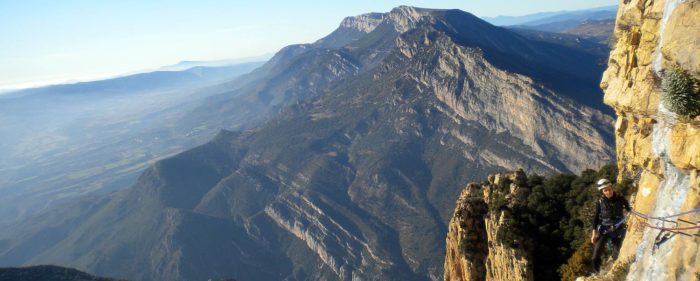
[[551, 218], [681, 92], [470, 245], [579, 264]]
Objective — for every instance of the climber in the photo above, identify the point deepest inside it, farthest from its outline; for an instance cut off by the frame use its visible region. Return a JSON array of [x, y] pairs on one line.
[[608, 222]]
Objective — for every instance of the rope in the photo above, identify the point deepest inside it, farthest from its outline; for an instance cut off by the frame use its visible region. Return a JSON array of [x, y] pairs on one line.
[[601, 228], [665, 217], [647, 217], [672, 228]]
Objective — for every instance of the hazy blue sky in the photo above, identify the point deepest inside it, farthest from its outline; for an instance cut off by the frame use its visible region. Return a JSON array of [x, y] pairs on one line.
[[53, 41]]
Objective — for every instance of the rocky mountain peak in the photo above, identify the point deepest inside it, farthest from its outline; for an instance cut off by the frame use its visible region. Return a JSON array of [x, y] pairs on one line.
[[405, 18], [399, 19], [363, 23]]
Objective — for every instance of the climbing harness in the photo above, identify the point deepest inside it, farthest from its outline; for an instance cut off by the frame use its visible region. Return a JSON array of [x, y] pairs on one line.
[[602, 229]]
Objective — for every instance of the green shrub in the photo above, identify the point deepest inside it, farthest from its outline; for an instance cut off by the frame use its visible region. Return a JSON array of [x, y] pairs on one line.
[[512, 236], [681, 93], [470, 245], [579, 264], [504, 185], [498, 202]]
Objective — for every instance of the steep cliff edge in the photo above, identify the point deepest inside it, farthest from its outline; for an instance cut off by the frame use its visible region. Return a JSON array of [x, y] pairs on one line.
[[660, 151], [474, 250], [525, 227], [658, 154]]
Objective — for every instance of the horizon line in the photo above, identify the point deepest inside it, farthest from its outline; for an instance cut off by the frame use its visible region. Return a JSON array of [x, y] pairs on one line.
[[8, 88]]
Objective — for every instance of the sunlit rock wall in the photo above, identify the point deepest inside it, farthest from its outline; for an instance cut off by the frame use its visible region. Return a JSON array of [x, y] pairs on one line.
[[655, 148]]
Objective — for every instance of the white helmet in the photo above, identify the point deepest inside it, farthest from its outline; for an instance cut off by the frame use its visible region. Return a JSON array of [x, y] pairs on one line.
[[603, 183]]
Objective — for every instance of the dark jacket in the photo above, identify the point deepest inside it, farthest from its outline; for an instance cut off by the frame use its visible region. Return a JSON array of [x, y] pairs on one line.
[[609, 211]]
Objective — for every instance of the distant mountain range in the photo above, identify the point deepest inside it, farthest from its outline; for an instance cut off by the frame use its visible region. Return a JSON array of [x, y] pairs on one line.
[[587, 30], [601, 30], [567, 17], [64, 141], [595, 24], [360, 145], [192, 76], [184, 65]]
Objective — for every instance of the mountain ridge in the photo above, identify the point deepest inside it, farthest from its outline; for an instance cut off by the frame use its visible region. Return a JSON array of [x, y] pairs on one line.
[[539, 18], [356, 173]]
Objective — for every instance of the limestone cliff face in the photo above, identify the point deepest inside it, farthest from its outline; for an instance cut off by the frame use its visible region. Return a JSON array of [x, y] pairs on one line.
[[660, 152], [474, 251], [517, 106], [363, 23]]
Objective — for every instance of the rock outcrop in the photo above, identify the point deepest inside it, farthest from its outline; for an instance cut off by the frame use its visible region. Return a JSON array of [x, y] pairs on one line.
[[474, 249], [655, 148]]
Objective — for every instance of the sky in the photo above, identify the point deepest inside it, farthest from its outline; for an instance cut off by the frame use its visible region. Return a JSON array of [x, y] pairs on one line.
[[48, 42]]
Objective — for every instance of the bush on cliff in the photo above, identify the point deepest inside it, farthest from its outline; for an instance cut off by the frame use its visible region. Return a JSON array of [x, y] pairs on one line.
[[579, 264], [681, 93]]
